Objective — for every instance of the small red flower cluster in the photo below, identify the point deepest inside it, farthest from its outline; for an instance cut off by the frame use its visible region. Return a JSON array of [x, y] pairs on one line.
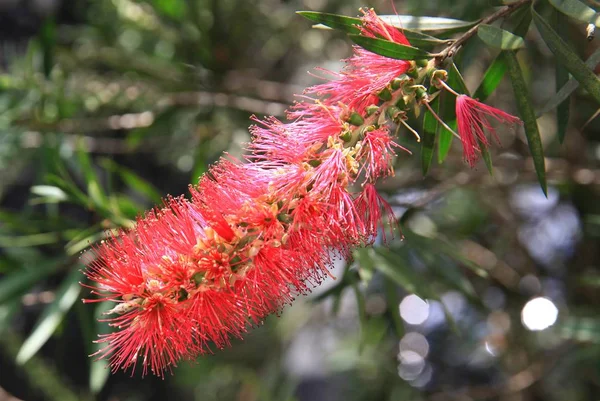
[[255, 234]]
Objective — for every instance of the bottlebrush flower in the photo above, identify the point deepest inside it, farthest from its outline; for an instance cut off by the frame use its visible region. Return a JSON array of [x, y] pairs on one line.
[[366, 74], [473, 120], [254, 234]]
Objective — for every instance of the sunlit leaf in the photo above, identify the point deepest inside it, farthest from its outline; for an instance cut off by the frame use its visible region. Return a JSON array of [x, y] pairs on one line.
[[426, 23], [499, 38], [566, 56], [51, 317], [527, 114], [49, 193], [578, 10], [408, 22], [99, 369], [491, 79], [389, 49]]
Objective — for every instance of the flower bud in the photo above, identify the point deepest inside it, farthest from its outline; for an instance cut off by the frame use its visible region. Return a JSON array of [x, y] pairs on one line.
[[372, 109], [421, 93], [385, 95], [346, 136], [355, 119], [413, 73], [393, 112], [401, 103], [422, 62]]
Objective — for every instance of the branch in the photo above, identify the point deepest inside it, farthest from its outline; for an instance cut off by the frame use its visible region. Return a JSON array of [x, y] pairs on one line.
[[503, 12]]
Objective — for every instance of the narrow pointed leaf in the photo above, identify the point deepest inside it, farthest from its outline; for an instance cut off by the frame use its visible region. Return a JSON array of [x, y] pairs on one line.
[[419, 39], [333, 21], [519, 22], [396, 269], [427, 23], [527, 113], [393, 304], [52, 316], [570, 87], [409, 22], [578, 10], [566, 56], [389, 49], [447, 101], [430, 128], [448, 111], [99, 369], [133, 180], [561, 78], [492, 78], [487, 158], [499, 38], [350, 25]]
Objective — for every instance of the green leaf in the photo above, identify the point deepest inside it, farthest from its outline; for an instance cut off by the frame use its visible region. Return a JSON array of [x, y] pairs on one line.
[[578, 10], [99, 369], [448, 111], [49, 193], [447, 101], [29, 240], [561, 78], [7, 311], [51, 317], [389, 49], [567, 57], [48, 44], [94, 188], [499, 38], [403, 22], [527, 113], [492, 78], [419, 39], [443, 247], [519, 22], [393, 304], [430, 128], [398, 270], [333, 21], [569, 87], [427, 23], [133, 180], [17, 282], [487, 158]]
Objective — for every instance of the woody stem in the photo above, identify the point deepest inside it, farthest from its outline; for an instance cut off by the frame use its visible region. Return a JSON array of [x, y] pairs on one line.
[[503, 12]]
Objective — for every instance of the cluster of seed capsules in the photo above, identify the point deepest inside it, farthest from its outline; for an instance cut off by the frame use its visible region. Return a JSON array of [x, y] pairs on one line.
[[256, 233]]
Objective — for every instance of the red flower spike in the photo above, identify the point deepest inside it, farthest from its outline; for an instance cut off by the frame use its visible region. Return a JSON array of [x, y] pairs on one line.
[[473, 120], [254, 235]]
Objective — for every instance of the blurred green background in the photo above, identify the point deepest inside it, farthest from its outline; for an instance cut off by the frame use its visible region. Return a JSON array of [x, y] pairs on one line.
[[107, 106]]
